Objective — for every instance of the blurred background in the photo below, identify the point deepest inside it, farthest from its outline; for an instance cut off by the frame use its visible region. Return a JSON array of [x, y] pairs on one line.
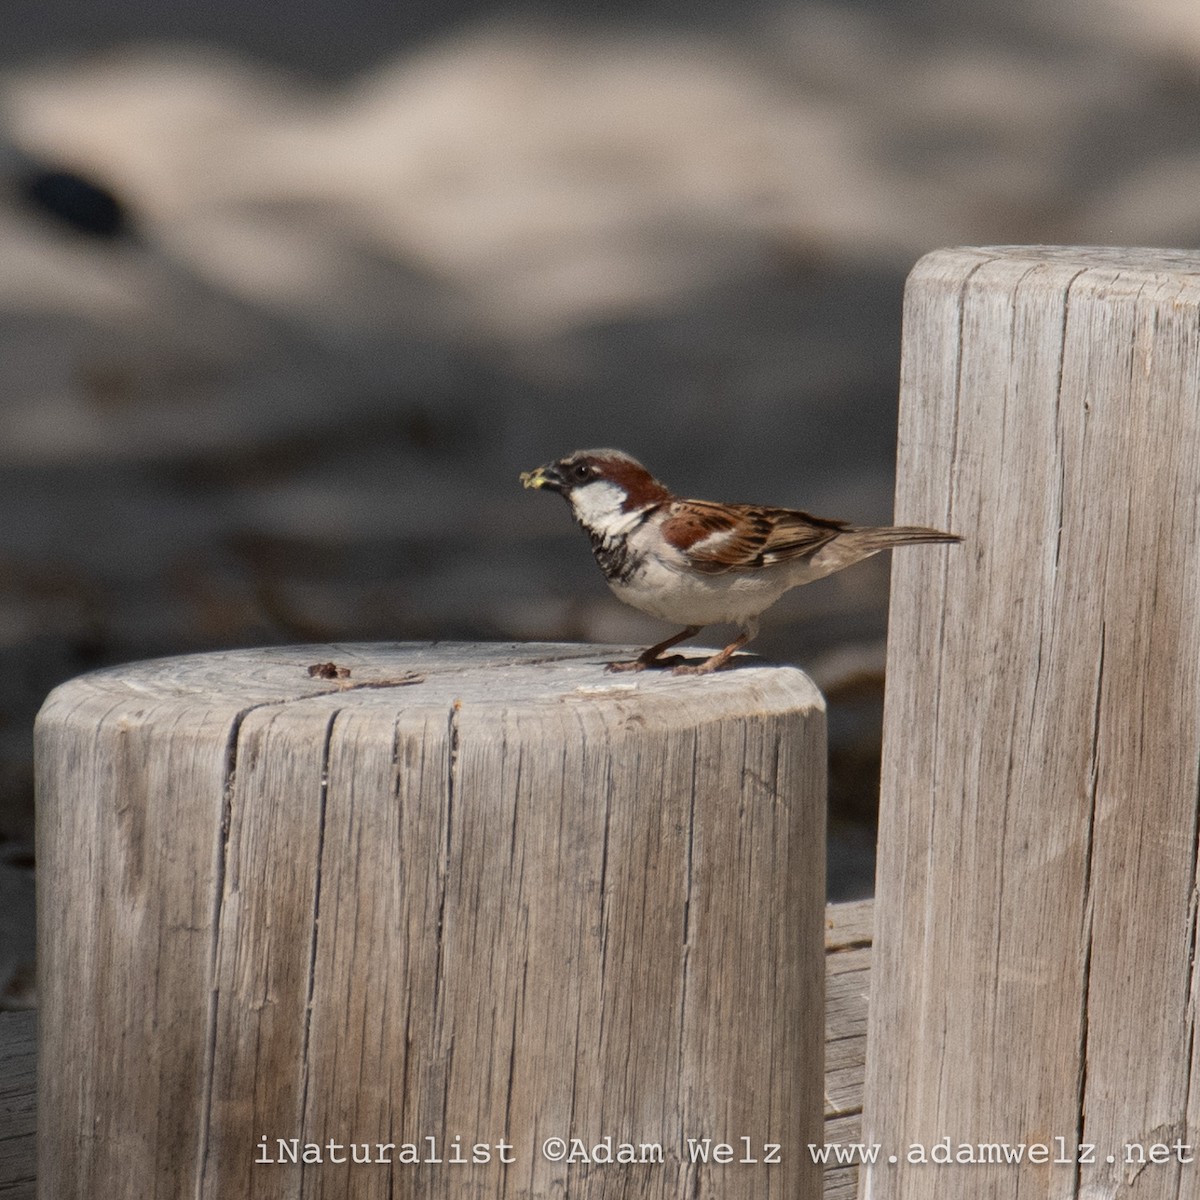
[[290, 294]]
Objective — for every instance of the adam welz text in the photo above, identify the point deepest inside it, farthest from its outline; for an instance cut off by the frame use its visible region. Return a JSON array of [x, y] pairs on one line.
[[455, 1152]]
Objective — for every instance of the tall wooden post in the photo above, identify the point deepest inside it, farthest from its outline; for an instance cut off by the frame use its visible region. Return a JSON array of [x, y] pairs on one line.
[[485, 917], [1034, 981]]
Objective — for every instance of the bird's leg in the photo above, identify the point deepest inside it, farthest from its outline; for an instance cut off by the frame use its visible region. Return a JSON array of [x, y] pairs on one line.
[[650, 657], [717, 661]]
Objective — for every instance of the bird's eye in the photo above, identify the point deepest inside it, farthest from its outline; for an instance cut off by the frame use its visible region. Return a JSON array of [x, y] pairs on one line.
[[581, 472]]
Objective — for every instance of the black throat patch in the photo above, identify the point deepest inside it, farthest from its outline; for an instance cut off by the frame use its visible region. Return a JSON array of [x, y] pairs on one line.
[[617, 560], [615, 556]]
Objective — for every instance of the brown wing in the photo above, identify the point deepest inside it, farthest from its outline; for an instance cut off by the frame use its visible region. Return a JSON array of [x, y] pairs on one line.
[[726, 537]]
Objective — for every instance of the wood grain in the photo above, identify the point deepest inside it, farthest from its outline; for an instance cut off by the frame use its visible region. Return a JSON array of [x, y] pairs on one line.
[[476, 892], [847, 949], [1038, 839], [847, 969], [18, 1104]]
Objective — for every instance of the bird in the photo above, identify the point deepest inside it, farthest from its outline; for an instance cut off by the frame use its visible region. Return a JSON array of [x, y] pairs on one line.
[[698, 562]]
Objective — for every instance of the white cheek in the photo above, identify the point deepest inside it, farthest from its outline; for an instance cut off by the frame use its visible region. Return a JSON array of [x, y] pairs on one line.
[[598, 505]]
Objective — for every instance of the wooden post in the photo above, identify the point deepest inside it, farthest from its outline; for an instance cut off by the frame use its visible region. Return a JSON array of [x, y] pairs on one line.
[[465, 900], [1036, 903]]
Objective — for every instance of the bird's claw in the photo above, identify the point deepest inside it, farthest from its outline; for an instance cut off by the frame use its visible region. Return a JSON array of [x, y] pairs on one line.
[[701, 668], [646, 664]]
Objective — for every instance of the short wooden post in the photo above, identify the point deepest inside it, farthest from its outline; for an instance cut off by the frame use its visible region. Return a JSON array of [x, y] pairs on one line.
[[1034, 982], [450, 907]]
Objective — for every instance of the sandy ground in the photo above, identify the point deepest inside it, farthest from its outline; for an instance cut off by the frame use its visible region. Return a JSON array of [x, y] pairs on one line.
[[378, 269]]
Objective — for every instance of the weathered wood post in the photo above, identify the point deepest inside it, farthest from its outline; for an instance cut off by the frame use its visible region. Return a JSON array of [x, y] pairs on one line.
[[1034, 981], [436, 914]]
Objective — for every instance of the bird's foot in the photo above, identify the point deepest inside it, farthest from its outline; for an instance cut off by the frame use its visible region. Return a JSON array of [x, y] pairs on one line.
[[715, 662], [653, 655], [644, 664], [701, 668], [635, 664]]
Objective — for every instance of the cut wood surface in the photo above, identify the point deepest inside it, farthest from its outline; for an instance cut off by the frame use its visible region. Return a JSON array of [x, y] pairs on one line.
[[1036, 898], [477, 892], [847, 964]]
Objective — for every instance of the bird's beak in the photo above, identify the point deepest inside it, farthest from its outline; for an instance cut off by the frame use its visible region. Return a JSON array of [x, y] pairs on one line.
[[543, 477]]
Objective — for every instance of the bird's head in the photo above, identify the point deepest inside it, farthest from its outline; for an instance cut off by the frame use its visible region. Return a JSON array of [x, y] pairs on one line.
[[602, 486]]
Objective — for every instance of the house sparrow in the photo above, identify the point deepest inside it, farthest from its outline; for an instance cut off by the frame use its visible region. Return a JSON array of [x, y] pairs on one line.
[[696, 562]]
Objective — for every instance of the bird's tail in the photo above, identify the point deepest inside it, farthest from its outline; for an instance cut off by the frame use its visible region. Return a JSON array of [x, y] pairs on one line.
[[881, 538], [859, 542]]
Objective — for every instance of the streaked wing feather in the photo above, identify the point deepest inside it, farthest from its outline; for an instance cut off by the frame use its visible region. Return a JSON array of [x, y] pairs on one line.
[[726, 537]]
